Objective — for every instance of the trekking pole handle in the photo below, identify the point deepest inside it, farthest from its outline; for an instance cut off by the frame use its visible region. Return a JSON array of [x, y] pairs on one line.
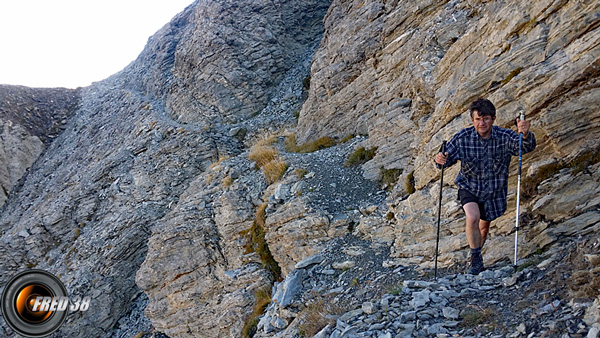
[[443, 151], [522, 116]]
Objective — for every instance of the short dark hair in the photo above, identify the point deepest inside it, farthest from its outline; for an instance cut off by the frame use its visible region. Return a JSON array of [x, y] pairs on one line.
[[483, 107]]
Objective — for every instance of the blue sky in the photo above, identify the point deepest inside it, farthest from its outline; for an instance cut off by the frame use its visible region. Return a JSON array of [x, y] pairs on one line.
[[72, 43]]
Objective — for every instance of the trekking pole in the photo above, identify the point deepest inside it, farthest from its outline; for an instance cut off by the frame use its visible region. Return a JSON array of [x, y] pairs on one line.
[[521, 118], [437, 242]]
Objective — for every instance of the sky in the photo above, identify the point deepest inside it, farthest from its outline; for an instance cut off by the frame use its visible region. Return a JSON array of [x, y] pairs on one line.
[[72, 43]]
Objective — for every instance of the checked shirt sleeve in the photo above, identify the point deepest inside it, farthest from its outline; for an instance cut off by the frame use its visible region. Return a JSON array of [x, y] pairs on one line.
[[529, 143], [453, 154]]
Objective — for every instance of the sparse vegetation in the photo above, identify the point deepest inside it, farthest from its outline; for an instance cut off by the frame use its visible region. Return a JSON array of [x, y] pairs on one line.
[[389, 177], [267, 158], [584, 281], [262, 155], [530, 262], [512, 74], [529, 185], [217, 161], [306, 83], [268, 141], [274, 170], [262, 298], [395, 290], [360, 156], [322, 310], [300, 173], [256, 243], [146, 106], [410, 183], [478, 317], [227, 181], [347, 138], [318, 144]]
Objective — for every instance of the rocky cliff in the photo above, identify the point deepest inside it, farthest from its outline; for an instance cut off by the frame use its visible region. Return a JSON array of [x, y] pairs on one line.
[[207, 190], [403, 73], [30, 119]]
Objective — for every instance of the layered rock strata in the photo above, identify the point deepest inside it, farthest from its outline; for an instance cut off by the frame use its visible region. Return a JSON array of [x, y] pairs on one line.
[[150, 188], [119, 185], [403, 73], [30, 118]]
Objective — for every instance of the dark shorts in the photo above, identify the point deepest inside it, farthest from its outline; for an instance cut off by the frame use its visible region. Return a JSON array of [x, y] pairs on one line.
[[466, 197]]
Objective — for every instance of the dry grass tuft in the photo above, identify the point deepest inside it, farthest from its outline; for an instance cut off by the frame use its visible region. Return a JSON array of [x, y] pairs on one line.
[[227, 181], [360, 156], [322, 310], [262, 298], [267, 141], [267, 158], [218, 161], [318, 144], [262, 155], [274, 170]]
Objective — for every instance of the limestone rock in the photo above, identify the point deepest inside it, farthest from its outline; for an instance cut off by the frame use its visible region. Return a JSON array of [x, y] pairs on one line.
[[18, 151], [116, 188], [226, 73], [30, 118], [406, 76], [293, 234]]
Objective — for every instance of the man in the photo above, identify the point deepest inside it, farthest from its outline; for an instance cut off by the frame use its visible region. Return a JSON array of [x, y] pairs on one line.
[[484, 152]]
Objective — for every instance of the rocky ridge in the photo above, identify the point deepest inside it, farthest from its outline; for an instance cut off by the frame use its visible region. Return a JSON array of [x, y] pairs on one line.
[[119, 177], [404, 73], [30, 118], [149, 202], [350, 289]]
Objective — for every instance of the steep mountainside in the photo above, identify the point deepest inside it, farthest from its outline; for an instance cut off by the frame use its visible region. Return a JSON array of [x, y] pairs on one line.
[[89, 204], [206, 189], [30, 119], [404, 73]]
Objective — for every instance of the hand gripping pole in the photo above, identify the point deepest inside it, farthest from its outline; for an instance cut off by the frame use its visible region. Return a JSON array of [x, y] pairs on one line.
[[522, 118], [437, 242]]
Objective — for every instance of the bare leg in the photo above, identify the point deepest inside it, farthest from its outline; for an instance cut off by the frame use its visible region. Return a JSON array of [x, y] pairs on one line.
[[476, 231], [484, 229], [472, 229]]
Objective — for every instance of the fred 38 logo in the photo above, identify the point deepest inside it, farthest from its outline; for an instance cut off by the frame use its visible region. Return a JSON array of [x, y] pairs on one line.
[[35, 303]]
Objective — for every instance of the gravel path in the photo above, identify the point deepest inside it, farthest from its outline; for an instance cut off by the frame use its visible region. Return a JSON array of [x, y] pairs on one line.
[[333, 187]]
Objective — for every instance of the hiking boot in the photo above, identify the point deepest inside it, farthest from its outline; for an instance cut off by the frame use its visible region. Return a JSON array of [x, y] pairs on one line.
[[475, 265]]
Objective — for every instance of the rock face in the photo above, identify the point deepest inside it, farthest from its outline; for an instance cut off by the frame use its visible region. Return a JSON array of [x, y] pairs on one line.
[[376, 299], [224, 70], [121, 185], [404, 73], [149, 200], [195, 267], [30, 118]]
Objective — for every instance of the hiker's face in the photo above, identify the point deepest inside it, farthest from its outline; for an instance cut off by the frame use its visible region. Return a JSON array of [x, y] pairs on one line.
[[483, 124]]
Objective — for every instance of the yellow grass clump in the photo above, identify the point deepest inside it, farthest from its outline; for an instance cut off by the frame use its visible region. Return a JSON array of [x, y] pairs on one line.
[[268, 159]]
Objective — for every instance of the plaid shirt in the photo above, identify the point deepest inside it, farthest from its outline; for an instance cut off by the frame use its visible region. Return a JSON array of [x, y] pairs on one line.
[[484, 164]]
